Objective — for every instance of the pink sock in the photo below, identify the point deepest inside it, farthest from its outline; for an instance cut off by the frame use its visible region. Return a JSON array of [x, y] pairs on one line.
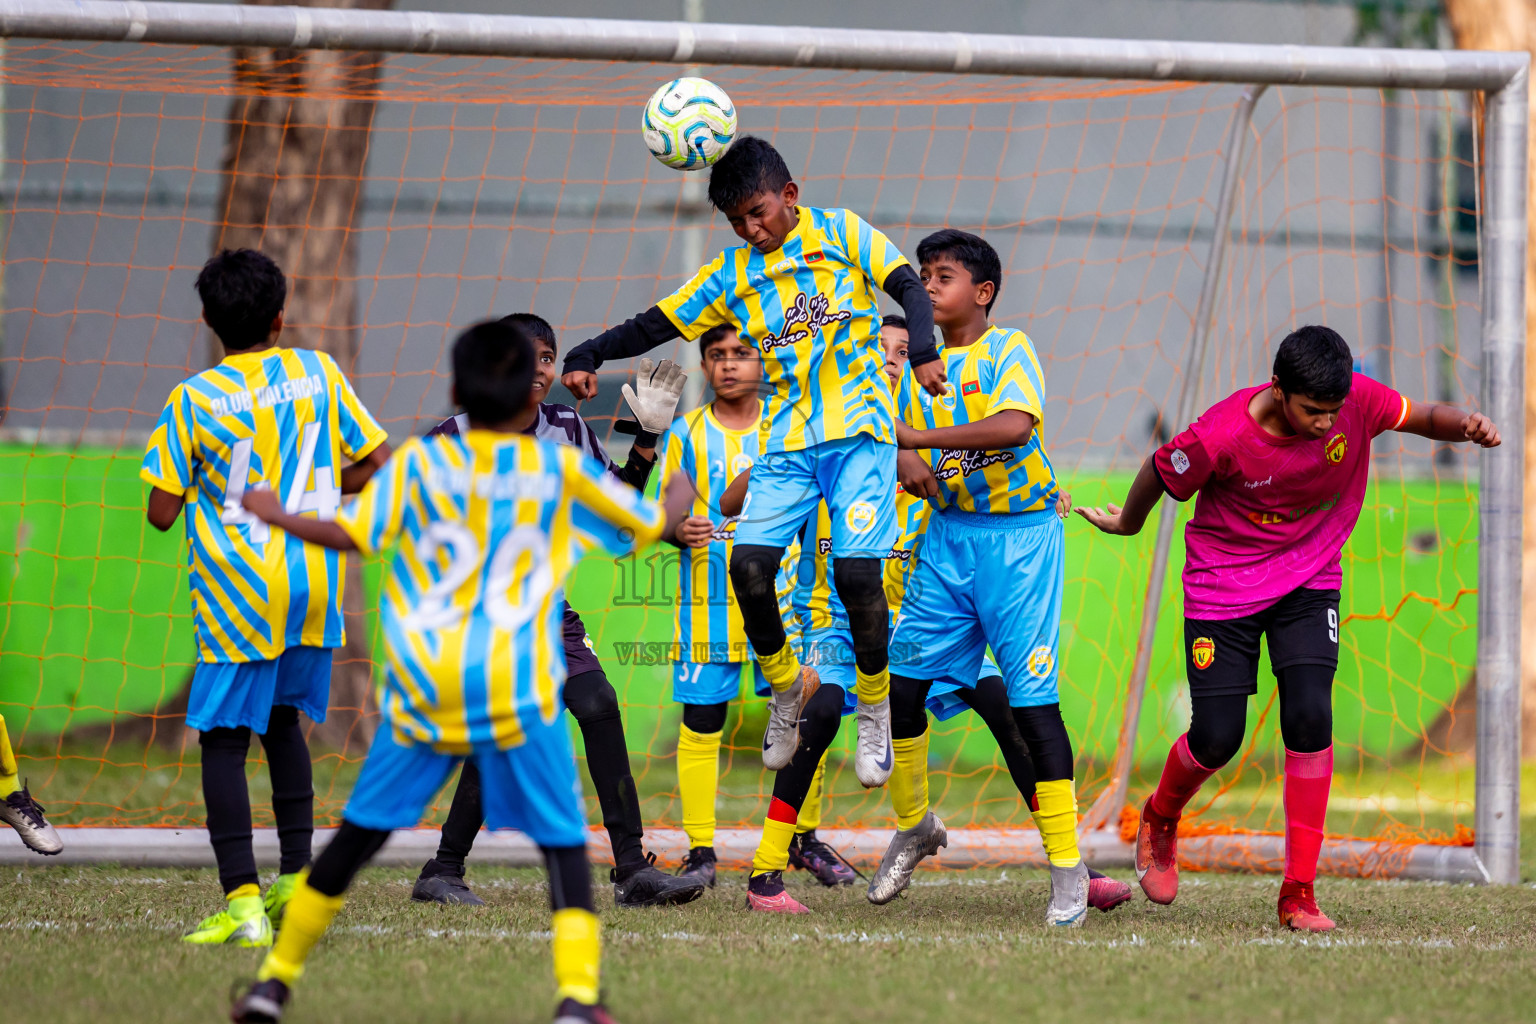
[[1307, 778], [1182, 778]]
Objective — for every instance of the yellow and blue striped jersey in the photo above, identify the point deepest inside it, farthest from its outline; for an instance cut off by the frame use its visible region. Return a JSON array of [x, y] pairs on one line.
[[708, 621], [812, 310], [281, 418], [999, 371], [486, 527], [911, 522]]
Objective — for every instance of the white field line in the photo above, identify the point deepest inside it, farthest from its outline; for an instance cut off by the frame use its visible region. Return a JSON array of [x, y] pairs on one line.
[[820, 936]]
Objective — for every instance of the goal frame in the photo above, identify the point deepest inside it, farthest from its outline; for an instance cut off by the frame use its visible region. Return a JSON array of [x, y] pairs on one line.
[[1501, 77]]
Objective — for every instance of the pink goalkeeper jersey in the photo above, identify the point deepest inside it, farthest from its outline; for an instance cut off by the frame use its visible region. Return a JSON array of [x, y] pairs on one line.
[[1274, 512]]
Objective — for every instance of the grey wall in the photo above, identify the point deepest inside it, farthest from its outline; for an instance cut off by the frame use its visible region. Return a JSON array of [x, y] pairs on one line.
[[507, 185]]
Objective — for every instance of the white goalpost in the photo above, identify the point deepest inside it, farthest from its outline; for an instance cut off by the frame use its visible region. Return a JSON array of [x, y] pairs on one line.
[[1197, 359]]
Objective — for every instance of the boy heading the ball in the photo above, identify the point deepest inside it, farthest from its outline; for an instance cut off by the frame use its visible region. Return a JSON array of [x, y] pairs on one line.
[[1280, 470], [486, 527], [802, 291], [711, 446]]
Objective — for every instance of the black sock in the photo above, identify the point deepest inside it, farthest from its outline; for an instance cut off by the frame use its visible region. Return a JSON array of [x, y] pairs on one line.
[[818, 728], [343, 857], [989, 700], [465, 816], [595, 706], [229, 805], [293, 787], [570, 877]]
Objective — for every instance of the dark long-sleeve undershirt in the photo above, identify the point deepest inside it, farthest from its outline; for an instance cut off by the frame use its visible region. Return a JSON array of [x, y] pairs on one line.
[[640, 334]]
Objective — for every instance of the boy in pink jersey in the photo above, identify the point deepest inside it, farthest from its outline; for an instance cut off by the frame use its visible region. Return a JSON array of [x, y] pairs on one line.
[[1280, 470]]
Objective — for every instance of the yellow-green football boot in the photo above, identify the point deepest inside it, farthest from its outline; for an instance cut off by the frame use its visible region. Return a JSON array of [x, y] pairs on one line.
[[278, 895], [245, 923]]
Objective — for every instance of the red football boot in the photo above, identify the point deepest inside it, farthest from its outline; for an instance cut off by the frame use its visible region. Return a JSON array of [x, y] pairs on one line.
[[1298, 908], [1157, 862], [766, 893], [1106, 893]]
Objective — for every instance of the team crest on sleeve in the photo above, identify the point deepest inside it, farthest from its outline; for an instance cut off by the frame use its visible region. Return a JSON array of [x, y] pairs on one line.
[[1180, 461], [860, 516], [1337, 445], [1203, 652], [1041, 660]]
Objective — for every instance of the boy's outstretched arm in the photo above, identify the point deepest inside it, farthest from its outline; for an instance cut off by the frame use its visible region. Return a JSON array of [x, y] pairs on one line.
[[631, 338], [353, 477], [1448, 423], [1010, 428], [268, 507], [903, 285], [1128, 521]]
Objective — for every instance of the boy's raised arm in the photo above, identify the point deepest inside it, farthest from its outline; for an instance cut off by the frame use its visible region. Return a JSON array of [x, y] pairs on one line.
[[633, 337]]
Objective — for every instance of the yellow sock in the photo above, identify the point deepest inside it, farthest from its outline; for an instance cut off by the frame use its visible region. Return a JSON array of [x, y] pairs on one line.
[[810, 811], [578, 949], [873, 689], [698, 780], [781, 668], [8, 772], [1057, 821], [308, 915], [773, 849], [243, 892], [908, 784]]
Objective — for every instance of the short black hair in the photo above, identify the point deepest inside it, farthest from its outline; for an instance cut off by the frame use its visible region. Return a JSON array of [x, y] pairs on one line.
[[717, 333], [749, 168], [1316, 362], [493, 370], [894, 320], [535, 326], [972, 252], [243, 291]]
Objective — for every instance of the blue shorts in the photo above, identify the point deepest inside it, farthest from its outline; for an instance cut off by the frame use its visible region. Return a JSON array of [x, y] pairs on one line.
[[228, 695], [856, 476], [944, 700], [830, 653], [986, 580], [695, 682], [532, 787]]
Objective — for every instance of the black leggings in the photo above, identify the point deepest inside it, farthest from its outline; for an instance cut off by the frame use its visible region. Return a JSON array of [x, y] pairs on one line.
[[860, 586], [570, 877], [591, 700], [228, 799], [1033, 740], [818, 728], [1217, 723], [705, 718]]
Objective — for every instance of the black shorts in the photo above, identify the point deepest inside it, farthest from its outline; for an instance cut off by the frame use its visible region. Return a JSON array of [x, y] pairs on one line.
[[1222, 655]]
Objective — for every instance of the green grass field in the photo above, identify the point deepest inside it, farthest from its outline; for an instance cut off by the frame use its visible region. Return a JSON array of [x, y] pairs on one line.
[[100, 944]]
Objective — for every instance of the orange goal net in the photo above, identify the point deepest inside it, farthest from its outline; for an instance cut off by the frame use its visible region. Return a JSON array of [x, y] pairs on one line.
[[484, 186]]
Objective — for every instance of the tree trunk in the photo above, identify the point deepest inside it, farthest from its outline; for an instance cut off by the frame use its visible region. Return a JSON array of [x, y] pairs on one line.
[[293, 166], [1511, 25]]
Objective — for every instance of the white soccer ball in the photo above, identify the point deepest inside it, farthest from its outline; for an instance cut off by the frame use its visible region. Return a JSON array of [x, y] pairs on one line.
[[688, 123]]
